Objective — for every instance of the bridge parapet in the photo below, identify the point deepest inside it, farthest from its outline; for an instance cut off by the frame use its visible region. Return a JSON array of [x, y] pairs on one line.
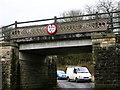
[[62, 28], [99, 22]]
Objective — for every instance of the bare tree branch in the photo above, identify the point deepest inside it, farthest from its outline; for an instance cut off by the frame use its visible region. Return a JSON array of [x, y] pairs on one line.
[[72, 13], [107, 6]]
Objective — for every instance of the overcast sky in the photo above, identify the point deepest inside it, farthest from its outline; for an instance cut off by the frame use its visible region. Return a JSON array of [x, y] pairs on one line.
[[25, 10]]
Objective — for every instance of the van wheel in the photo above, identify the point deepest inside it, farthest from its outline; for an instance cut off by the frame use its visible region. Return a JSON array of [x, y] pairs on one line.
[[90, 80], [76, 80], [68, 79]]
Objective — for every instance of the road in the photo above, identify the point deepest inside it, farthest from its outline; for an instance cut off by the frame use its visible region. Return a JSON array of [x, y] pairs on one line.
[[72, 84]]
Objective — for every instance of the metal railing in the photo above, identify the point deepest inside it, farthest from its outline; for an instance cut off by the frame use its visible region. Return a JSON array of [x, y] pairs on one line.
[[98, 22]]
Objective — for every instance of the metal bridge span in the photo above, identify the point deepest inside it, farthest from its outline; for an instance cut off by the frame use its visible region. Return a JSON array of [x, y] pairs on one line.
[[35, 42]]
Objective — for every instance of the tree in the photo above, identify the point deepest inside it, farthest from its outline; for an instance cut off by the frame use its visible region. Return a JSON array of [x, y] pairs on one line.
[[91, 9], [72, 13], [104, 6], [6, 33], [107, 6], [73, 59]]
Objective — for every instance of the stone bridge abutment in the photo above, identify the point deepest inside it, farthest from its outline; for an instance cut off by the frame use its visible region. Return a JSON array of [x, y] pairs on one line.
[[28, 70], [36, 71], [106, 53]]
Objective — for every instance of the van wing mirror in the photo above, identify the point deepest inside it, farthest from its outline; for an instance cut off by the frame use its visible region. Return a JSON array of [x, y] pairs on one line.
[[75, 71]]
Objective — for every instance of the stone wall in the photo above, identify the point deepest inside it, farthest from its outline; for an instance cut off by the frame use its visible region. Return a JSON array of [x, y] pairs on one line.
[[37, 71], [106, 53], [30, 73], [51, 67], [9, 58]]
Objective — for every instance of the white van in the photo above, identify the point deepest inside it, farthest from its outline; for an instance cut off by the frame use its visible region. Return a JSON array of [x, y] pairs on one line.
[[78, 73]]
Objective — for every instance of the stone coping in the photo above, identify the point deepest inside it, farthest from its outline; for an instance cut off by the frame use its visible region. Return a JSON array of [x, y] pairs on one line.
[[103, 36]]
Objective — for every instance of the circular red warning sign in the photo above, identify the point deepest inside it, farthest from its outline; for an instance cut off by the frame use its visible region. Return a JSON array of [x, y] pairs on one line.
[[51, 28]]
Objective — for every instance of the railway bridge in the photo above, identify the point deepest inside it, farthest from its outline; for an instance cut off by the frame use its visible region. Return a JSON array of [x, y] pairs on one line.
[[31, 64]]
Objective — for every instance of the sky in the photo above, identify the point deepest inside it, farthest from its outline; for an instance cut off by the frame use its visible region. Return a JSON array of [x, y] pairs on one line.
[[27, 10]]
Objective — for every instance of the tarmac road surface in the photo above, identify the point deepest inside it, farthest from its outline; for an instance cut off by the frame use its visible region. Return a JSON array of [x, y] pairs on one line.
[[73, 84]]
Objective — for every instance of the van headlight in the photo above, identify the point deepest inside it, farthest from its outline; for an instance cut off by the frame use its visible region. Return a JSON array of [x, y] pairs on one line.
[[90, 76], [79, 77]]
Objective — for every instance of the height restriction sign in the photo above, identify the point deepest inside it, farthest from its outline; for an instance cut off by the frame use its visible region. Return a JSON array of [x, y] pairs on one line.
[[51, 28]]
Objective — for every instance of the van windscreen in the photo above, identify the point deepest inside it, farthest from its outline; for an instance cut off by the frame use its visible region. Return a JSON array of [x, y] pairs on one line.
[[82, 70]]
